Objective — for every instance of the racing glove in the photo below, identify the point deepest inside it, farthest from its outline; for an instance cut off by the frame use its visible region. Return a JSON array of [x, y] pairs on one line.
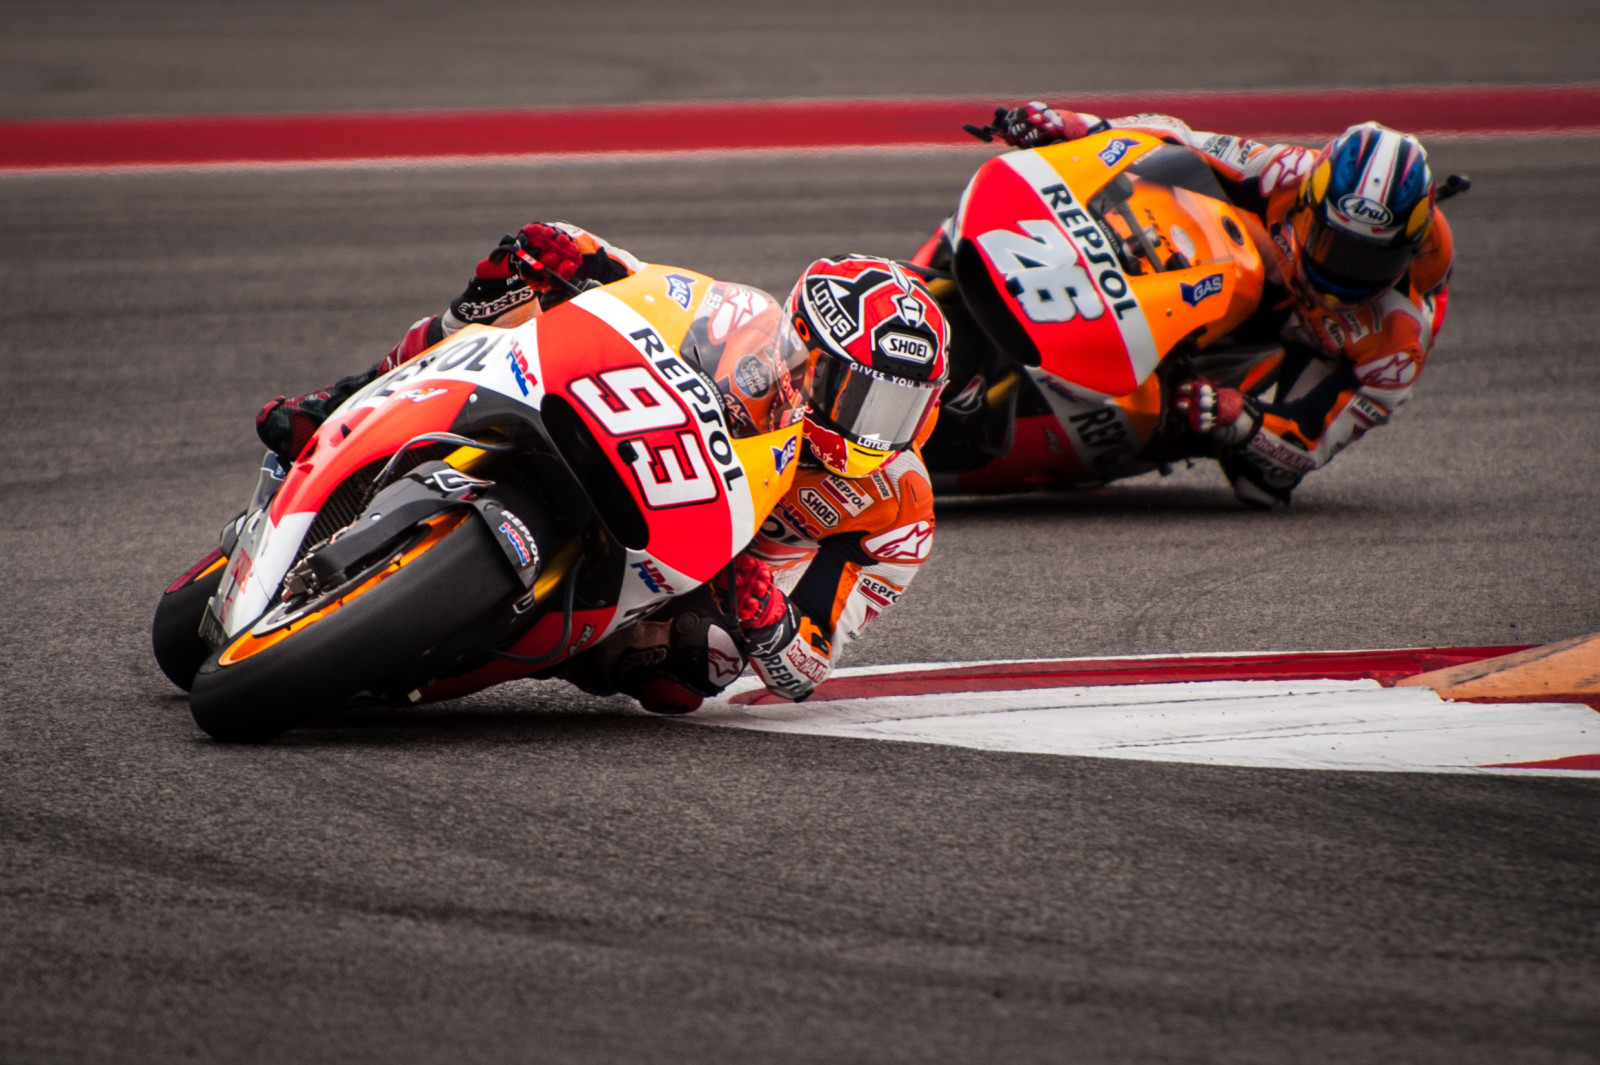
[[758, 601], [286, 425], [514, 273], [1226, 415], [1036, 124]]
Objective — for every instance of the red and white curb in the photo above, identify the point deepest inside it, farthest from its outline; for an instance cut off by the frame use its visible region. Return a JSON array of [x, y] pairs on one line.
[[1238, 710], [620, 132]]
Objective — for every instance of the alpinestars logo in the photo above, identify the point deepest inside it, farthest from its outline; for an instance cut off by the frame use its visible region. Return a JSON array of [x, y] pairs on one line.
[[909, 543]]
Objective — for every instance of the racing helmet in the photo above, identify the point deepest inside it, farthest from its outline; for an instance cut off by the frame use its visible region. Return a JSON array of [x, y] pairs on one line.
[[874, 346], [1364, 211]]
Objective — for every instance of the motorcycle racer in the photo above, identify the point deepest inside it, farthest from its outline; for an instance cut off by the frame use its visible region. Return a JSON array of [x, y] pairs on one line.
[[1358, 258], [865, 344]]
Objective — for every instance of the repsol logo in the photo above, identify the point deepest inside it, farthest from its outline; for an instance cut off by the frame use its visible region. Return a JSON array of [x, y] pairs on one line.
[[1102, 438], [1092, 244], [705, 405]]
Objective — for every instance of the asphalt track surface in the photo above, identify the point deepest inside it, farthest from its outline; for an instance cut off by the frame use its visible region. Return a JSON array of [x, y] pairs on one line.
[[535, 876]]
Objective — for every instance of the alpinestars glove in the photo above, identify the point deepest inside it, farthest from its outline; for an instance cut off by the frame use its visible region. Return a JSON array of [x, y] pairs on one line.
[[1226, 415], [1036, 124]]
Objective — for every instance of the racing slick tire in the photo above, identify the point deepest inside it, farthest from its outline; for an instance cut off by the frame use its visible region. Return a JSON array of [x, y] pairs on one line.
[[258, 686], [175, 632]]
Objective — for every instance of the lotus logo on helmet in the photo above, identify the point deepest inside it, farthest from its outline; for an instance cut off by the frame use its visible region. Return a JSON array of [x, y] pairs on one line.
[[1362, 209], [905, 346], [824, 293]]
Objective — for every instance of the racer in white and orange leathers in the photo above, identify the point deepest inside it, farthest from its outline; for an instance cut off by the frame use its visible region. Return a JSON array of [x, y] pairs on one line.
[[1356, 334], [844, 542]]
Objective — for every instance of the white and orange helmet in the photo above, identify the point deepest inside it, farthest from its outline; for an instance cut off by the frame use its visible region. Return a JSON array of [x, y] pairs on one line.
[[876, 345]]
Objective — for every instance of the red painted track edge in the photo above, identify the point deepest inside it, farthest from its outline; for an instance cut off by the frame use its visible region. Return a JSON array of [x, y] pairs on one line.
[[1384, 666], [367, 138]]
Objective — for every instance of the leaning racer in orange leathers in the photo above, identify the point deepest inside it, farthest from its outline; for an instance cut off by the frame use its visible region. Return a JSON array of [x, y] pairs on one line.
[[865, 344], [1358, 256]]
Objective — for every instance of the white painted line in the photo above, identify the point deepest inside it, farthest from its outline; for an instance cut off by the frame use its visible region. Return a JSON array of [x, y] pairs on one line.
[[1307, 724]]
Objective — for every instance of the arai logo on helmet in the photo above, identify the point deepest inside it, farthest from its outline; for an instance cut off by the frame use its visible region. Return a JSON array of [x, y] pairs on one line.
[[906, 346], [1362, 209], [1112, 153], [1206, 286]]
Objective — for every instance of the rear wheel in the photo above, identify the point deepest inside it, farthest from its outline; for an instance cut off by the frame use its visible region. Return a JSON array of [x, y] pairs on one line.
[[175, 632], [266, 680]]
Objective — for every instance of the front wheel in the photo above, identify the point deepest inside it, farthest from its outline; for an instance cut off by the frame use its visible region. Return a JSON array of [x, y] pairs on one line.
[[175, 632], [261, 684]]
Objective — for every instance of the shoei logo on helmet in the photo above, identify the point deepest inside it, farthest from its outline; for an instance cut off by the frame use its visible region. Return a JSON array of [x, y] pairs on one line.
[[1362, 209], [912, 348], [1112, 153], [1206, 286]]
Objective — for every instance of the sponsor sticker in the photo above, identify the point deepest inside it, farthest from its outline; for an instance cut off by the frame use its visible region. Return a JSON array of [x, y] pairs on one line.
[[881, 592], [518, 544], [782, 456], [1360, 209], [519, 367], [1393, 371], [824, 294], [420, 395], [680, 289], [724, 663], [847, 495], [1210, 285], [653, 578], [819, 507], [906, 346], [908, 543], [1113, 152], [753, 377]]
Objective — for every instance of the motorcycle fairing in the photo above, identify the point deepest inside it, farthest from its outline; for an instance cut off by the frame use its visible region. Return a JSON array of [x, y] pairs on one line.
[[1028, 229]]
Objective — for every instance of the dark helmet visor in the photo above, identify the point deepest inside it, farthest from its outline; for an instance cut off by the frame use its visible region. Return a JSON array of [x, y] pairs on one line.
[[867, 407], [1353, 262]]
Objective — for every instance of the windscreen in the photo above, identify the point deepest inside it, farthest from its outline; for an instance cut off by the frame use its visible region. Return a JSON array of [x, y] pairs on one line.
[[742, 340]]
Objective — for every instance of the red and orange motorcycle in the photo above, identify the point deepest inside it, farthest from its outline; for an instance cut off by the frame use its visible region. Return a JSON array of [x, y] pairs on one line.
[[1083, 281], [494, 507]]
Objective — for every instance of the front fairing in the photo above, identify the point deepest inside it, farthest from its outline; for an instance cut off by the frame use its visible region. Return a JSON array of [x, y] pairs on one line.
[[1088, 261]]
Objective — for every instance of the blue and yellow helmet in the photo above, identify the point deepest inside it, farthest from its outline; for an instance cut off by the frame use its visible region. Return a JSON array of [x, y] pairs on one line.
[[1364, 211]]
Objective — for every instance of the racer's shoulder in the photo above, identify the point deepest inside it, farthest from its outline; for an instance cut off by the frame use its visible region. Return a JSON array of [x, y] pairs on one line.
[[1430, 270]]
